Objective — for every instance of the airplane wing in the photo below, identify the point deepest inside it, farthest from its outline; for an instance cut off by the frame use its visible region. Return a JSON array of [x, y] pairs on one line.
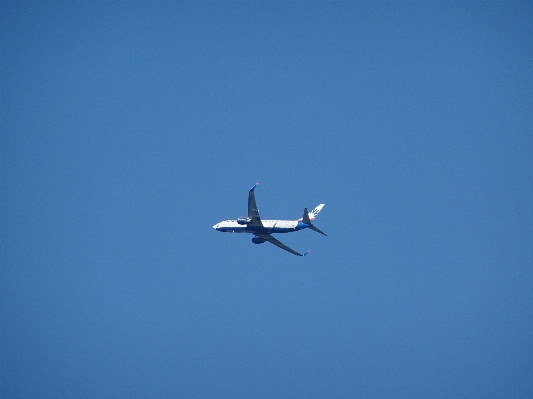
[[269, 238], [253, 212]]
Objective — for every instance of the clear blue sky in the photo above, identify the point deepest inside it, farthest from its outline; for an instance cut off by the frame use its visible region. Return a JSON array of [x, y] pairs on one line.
[[128, 130]]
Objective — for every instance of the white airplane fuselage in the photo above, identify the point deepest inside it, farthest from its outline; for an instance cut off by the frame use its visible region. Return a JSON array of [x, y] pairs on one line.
[[269, 226]]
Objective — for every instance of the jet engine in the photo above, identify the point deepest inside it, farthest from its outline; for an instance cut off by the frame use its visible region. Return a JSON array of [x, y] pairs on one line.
[[243, 220], [258, 240]]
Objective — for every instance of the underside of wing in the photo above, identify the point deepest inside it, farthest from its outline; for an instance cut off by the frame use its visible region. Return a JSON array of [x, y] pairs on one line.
[[269, 238], [253, 212]]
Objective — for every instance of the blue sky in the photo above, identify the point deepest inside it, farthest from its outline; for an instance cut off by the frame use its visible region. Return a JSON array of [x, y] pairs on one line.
[[128, 130]]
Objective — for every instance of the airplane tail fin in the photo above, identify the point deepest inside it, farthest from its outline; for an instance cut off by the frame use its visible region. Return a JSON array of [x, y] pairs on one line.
[[315, 211], [307, 220]]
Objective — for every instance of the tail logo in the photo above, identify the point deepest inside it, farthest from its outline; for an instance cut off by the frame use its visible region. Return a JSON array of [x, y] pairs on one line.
[[315, 211]]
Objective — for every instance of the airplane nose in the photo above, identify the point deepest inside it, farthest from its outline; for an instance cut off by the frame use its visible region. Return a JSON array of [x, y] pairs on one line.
[[215, 226]]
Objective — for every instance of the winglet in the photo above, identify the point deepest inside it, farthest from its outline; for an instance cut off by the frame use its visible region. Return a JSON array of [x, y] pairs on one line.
[[255, 185], [307, 252]]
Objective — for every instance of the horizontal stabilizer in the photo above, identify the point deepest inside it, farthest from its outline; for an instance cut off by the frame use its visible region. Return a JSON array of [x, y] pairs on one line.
[[314, 228], [307, 220]]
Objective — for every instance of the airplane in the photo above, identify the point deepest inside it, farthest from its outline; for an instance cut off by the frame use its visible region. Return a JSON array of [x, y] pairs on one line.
[[263, 229]]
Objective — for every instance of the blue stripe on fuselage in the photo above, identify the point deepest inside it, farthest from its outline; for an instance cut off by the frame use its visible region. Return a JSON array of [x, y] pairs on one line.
[[301, 226]]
